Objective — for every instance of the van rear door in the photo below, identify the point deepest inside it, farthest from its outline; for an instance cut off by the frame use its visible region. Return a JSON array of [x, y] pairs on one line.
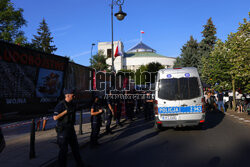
[[190, 94], [168, 103]]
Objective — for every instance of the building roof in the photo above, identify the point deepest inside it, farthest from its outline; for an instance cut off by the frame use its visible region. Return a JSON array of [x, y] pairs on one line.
[[140, 47], [143, 54]]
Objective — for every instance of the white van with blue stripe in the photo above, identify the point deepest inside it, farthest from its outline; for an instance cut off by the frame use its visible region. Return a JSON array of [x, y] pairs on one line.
[[178, 98]]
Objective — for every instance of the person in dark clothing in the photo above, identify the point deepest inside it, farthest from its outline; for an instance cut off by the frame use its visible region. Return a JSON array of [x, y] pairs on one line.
[[118, 103], [129, 106], [148, 106], [220, 103], [211, 102], [64, 114], [96, 111], [109, 115]]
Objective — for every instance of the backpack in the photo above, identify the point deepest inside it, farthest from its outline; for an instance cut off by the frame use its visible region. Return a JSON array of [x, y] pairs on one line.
[[211, 100]]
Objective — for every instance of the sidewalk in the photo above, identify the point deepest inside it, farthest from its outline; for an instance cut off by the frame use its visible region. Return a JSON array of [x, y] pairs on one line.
[[16, 152], [240, 117]]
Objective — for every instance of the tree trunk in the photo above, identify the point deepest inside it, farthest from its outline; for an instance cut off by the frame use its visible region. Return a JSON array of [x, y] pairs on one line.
[[233, 85]]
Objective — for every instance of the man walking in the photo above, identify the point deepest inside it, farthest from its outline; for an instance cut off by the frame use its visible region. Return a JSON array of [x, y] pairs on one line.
[[110, 113], [64, 114], [96, 111], [220, 101]]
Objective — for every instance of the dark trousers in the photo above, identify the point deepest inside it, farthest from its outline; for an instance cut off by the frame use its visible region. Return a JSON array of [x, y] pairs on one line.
[[231, 102], [118, 114], [109, 119], [129, 110], [95, 126], [148, 110], [64, 138]]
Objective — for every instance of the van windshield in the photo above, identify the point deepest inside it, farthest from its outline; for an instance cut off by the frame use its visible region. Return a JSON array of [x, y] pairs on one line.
[[179, 88]]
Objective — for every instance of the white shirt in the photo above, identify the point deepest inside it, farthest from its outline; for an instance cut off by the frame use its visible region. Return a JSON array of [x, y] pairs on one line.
[[238, 96]]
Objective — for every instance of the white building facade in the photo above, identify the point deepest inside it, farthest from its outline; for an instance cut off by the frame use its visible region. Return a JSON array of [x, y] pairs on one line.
[[140, 54]]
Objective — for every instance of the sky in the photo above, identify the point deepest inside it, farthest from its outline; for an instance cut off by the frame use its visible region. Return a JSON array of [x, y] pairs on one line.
[[168, 25]]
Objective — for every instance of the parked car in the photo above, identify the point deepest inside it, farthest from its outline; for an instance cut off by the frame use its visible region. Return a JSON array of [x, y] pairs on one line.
[[2, 141]]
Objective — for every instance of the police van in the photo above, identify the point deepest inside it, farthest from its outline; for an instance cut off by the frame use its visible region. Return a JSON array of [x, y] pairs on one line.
[[178, 98]]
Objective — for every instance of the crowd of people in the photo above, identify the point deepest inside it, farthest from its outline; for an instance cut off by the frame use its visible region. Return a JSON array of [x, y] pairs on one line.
[[223, 100], [112, 105], [105, 107]]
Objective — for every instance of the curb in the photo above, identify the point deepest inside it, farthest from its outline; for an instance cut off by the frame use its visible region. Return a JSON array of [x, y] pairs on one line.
[[241, 119]]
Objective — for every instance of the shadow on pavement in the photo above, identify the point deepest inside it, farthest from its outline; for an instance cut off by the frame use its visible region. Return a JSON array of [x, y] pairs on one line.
[[212, 119], [141, 139], [215, 161], [134, 127]]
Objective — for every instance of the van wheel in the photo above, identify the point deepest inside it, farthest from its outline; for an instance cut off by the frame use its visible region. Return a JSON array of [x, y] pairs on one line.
[[158, 127]]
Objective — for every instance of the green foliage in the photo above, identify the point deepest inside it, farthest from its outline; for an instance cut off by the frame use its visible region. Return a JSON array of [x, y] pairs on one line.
[[189, 55], [99, 62], [207, 43], [229, 63], [43, 40], [11, 20], [216, 67], [141, 75], [70, 60], [140, 78], [208, 33], [239, 55], [153, 67], [178, 63]]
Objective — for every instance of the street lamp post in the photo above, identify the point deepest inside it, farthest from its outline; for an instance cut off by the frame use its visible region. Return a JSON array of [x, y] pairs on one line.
[[91, 54], [120, 16]]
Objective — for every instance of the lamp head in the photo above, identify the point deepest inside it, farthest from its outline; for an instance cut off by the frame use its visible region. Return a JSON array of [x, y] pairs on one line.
[[120, 15]]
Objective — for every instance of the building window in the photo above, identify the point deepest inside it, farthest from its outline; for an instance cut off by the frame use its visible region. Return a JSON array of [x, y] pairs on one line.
[[109, 52]]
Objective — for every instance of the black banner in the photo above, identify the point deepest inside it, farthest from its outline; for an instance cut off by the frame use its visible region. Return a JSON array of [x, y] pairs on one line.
[[29, 76]]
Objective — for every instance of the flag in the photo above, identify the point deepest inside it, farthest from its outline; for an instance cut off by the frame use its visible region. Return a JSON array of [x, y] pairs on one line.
[[118, 50], [142, 31]]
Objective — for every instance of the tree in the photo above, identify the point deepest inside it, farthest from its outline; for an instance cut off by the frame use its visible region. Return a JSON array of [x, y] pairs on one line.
[[99, 62], [43, 40], [178, 62], [189, 55], [207, 43], [140, 78], [227, 65], [141, 73], [11, 20], [153, 68], [70, 60], [216, 67], [239, 57]]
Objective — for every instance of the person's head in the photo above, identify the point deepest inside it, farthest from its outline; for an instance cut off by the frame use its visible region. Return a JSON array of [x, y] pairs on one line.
[[69, 95], [96, 99]]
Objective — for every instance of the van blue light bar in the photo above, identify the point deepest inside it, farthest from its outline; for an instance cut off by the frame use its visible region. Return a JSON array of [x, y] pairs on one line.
[[187, 75], [169, 75]]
